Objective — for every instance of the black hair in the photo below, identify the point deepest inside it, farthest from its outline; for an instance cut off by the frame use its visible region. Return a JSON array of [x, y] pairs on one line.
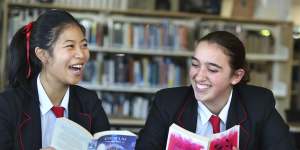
[[44, 33], [234, 48]]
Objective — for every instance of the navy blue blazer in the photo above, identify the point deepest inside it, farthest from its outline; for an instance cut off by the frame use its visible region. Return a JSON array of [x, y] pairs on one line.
[[251, 107], [20, 120]]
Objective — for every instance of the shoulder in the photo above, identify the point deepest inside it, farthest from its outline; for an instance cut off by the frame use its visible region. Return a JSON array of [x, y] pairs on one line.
[[82, 90], [84, 95], [254, 93], [176, 93], [11, 103], [175, 90], [174, 96], [11, 95], [250, 89], [255, 98]]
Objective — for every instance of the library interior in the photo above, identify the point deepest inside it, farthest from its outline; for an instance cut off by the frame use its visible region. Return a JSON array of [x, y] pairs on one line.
[[138, 47]]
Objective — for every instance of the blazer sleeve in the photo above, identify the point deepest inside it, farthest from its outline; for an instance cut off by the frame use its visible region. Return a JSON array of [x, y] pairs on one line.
[[275, 133], [154, 134]]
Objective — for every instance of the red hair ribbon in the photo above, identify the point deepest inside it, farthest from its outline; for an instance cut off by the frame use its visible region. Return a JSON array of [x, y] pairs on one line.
[[27, 31]]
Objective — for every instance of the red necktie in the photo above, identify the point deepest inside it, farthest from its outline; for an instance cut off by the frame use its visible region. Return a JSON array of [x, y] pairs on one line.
[[58, 111], [215, 122]]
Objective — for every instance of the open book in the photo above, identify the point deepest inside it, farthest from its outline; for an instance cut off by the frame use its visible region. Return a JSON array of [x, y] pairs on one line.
[[70, 135], [180, 138]]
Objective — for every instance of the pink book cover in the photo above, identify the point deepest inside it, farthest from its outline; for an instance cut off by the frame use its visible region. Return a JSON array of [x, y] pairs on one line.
[[226, 139], [182, 139]]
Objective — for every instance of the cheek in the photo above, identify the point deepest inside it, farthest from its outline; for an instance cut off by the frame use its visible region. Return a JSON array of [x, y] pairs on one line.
[[192, 73], [220, 81]]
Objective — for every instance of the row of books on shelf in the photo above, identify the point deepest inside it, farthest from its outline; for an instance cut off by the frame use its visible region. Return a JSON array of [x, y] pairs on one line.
[[155, 71], [104, 31], [142, 33], [142, 71], [255, 38], [265, 74], [92, 4], [138, 33], [150, 36], [261, 74], [20, 17], [256, 42], [125, 105]]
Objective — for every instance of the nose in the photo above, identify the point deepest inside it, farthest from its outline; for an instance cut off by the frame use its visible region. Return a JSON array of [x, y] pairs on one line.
[[79, 52], [200, 74]]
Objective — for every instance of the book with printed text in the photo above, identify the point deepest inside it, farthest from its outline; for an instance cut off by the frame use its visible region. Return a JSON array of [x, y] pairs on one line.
[[70, 135]]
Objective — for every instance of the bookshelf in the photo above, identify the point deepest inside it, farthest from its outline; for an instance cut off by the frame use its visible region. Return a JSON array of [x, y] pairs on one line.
[[295, 94], [146, 68]]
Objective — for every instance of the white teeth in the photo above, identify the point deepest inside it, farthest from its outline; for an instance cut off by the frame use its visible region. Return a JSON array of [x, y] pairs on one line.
[[77, 66], [202, 86]]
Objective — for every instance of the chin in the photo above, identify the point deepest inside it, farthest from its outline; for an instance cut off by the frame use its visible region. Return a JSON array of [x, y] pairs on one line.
[[75, 81], [202, 97], [198, 97]]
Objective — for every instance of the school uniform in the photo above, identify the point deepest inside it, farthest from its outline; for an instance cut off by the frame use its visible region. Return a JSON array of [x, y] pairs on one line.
[[20, 115], [251, 107]]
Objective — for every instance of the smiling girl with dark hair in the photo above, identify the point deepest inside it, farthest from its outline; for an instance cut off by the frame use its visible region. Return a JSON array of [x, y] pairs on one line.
[[46, 59], [218, 99]]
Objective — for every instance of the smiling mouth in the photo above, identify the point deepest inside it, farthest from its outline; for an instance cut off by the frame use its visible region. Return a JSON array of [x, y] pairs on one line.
[[77, 67], [202, 87]]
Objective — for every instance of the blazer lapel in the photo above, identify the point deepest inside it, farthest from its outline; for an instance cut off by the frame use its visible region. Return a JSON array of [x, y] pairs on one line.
[[187, 114], [237, 115], [76, 111], [29, 128]]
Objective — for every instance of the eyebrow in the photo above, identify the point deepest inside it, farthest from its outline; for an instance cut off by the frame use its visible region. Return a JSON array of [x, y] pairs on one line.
[[215, 65], [209, 63], [83, 40], [194, 58]]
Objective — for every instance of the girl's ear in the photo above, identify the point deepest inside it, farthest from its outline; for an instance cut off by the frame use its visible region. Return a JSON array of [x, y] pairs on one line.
[[237, 76], [42, 55]]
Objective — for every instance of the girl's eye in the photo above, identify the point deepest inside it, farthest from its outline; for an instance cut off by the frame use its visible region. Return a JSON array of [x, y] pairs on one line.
[[70, 46], [85, 45], [194, 65], [213, 70]]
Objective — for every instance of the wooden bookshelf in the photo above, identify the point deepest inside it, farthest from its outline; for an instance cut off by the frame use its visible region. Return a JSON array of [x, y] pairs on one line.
[[154, 52], [138, 12], [279, 59]]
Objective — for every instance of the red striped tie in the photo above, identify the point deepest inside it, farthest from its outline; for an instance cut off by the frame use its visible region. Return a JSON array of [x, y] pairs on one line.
[[58, 111], [215, 122]]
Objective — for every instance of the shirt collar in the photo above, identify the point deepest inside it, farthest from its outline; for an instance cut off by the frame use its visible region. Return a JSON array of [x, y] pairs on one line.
[[205, 113], [45, 102]]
